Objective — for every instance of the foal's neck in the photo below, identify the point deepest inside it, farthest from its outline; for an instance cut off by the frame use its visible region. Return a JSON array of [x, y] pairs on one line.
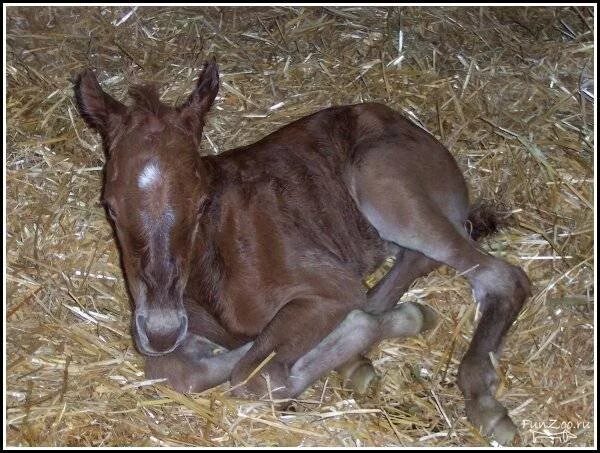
[[204, 284]]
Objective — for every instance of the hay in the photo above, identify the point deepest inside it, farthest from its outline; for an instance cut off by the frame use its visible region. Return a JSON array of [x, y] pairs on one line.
[[508, 90]]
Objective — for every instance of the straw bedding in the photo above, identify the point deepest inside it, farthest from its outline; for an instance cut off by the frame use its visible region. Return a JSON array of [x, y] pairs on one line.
[[508, 90]]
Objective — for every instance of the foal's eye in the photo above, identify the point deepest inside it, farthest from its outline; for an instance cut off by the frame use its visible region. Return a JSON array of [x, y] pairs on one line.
[[110, 210]]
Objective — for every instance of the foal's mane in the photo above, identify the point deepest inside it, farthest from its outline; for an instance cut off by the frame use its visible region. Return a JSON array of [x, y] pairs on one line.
[[146, 98]]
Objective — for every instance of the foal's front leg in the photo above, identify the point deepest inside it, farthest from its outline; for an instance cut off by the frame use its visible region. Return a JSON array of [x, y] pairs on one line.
[[199, 364], [409, 266], [296, 328], [196, 365], [303, 356], [358, 332]]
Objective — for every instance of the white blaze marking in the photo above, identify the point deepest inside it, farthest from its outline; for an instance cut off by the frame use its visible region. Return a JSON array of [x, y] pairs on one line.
[[149, 176]]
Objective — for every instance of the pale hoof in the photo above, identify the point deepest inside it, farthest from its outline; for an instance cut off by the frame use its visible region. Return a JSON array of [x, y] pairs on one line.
[[408, 319], [504, 431], [363, 378], [171, 369], [492, 418], [430, 317], [359, 375]]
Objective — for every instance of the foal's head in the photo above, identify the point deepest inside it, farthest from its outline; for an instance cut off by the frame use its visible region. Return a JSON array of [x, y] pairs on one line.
[[154, 188]]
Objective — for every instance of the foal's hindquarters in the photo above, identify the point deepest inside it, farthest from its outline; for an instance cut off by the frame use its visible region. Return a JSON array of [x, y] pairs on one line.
[[413, 193]]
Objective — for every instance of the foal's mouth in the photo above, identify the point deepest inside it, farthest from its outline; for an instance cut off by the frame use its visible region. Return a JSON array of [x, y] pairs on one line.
[[155, 354], [144, 350]]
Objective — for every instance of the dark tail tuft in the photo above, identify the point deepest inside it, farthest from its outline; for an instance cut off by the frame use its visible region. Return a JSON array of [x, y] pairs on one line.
[[486, 218]]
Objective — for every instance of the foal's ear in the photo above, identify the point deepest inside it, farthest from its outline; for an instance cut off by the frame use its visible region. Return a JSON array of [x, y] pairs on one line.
[[99, 110], [203, 96]]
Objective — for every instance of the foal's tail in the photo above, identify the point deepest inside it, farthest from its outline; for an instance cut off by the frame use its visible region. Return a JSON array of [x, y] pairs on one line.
[[486, 219]]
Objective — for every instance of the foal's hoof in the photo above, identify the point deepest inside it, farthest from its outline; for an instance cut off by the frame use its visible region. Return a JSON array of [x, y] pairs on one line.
[[363, 378], [504, 431], [171, 369], [408, 319], [430, 317], [359, 374], [489, 415]]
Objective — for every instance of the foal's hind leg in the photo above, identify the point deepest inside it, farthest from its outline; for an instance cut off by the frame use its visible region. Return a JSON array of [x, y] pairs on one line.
[[409, 265], [403, 213]]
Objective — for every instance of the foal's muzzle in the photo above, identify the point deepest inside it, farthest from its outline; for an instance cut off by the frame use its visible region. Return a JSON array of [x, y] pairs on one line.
[[160, 331]]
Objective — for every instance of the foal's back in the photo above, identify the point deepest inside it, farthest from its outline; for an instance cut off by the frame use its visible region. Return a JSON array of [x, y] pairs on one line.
[[298, 180]]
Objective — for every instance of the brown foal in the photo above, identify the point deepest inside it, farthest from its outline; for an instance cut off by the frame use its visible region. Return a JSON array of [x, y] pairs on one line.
[[262, 248]]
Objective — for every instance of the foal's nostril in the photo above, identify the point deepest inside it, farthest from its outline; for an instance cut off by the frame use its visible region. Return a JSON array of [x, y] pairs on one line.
[[140, 325], [183, 324]]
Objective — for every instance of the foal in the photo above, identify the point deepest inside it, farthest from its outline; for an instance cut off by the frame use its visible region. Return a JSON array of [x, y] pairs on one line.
[[262, 248]]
